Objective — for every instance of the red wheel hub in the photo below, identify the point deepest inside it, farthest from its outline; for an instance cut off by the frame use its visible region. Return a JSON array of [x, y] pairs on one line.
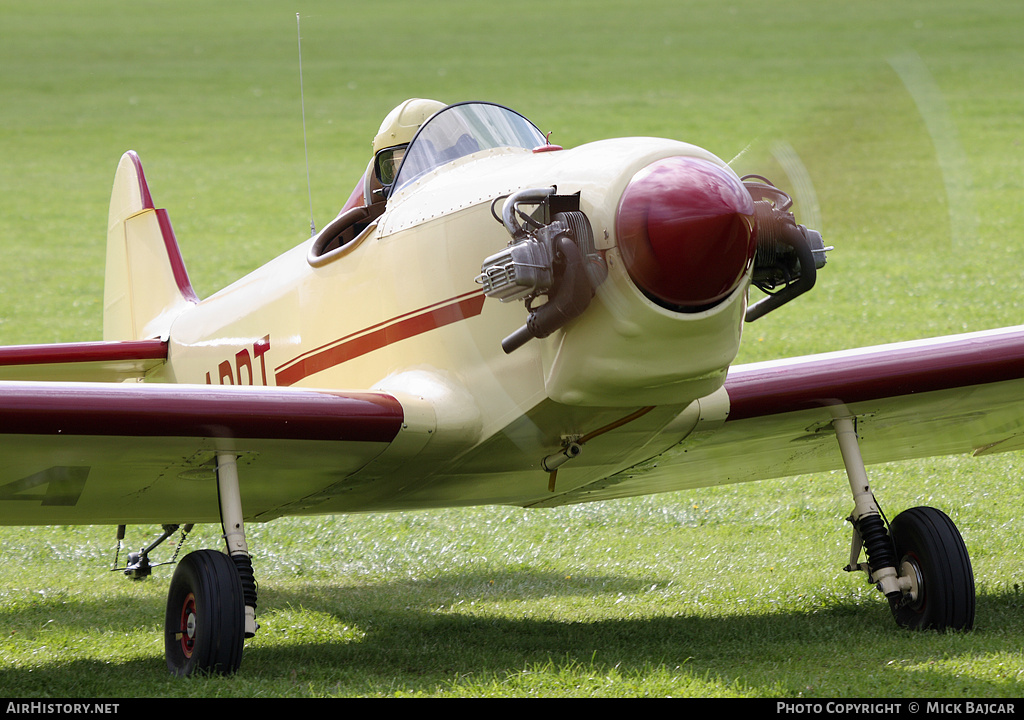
[[187, 630]]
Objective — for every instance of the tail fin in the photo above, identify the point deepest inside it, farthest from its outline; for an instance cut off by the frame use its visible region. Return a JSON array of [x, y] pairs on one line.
[[146, 285]]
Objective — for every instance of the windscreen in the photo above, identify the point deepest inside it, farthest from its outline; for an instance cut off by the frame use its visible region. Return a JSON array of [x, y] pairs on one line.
[[461, 130]]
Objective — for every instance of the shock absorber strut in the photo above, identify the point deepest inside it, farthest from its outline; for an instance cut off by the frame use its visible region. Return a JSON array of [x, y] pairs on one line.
[[869, 528], [877, 544], [234, 533]]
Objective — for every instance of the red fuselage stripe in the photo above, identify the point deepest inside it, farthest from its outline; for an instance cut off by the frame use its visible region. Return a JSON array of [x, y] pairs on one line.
[[381, 335]]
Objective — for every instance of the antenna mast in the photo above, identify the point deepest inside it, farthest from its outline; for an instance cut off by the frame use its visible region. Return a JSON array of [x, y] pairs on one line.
[[305, 144]]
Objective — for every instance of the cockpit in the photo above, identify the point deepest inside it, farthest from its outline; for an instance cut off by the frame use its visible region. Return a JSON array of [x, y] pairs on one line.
[[461, 130], [450, 133]]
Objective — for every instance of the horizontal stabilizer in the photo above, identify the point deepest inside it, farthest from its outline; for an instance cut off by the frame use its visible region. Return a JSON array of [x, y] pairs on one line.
[[82, 362]]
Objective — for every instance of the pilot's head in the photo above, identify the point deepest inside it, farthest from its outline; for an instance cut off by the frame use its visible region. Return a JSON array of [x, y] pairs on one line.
[[395, 134]]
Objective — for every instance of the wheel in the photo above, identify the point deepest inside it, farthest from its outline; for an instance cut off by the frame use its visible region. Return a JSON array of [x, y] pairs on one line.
[[204, 627], [930, 551]]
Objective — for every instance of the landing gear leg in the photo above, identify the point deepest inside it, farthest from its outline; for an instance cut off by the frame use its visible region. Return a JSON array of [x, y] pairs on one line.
[[920, 563], [211, 603], [234, 533]]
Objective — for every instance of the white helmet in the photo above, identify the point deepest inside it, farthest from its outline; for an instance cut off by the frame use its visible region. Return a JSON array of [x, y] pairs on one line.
[[396, 132], [401, 124]]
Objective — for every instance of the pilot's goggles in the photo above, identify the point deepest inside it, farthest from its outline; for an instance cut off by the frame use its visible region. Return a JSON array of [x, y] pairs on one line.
[[387, 162]]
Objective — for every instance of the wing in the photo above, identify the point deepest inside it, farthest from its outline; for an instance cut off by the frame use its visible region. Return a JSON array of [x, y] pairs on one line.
[[118, 453], [959, 394]]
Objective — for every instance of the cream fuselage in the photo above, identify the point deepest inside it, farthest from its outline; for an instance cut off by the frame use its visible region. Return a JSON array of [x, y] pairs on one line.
[[398, 310]]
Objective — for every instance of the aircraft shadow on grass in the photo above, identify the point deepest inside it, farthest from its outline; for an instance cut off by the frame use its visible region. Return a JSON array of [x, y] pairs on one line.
[[407, 636]]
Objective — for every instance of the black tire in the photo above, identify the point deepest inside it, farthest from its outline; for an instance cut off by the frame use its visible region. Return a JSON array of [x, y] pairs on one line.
[[929, 547], [204, 627]]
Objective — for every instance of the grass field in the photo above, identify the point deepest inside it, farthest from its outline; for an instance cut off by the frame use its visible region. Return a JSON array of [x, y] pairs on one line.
[[906, 117]]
